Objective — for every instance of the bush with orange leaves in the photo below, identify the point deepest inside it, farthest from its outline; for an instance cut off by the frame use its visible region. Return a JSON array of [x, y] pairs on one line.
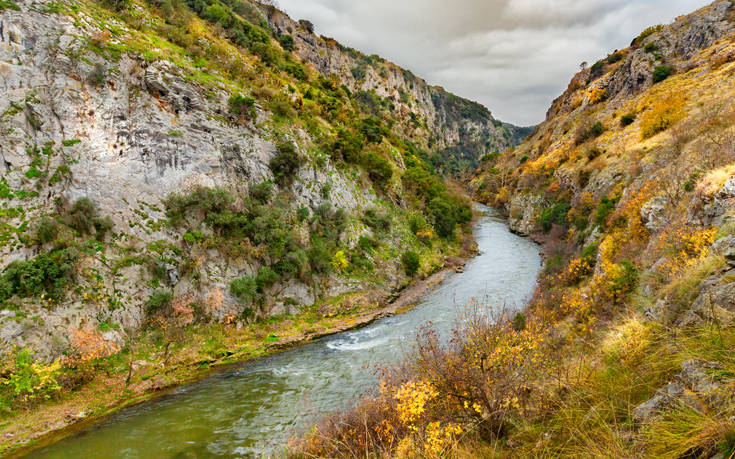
[[171, 321], [473, 383], [86, 348]]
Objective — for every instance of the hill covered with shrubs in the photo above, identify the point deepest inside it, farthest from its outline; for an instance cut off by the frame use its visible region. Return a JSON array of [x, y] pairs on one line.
[[627, 348]]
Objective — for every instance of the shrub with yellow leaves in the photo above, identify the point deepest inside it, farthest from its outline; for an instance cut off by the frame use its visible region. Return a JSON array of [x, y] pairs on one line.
[[662, 115], [597, 95], [472, 383], [25, 381]]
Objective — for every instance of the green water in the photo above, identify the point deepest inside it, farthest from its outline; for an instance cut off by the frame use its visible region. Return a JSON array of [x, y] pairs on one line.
[[253, 410]]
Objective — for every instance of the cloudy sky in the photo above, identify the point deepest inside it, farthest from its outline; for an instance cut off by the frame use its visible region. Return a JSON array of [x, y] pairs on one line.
[[513, 56]]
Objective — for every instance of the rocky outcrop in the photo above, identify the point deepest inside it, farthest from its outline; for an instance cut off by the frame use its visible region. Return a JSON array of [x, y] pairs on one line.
[[717, 206], [522, 212], [698, 386], [453, 123], [633, 73]]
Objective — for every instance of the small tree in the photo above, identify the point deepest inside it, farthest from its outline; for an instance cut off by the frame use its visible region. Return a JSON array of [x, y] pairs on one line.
[[306, 24], [287, 42], [411, 262], [285, 164]]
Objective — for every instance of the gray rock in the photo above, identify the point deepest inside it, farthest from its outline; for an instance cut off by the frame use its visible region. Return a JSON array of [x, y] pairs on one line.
[[714, 304], [663, 398], [653, 214], [694, 386]]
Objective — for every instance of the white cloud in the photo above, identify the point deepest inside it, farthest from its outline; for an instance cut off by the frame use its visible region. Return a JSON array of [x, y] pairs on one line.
[[514, 56]]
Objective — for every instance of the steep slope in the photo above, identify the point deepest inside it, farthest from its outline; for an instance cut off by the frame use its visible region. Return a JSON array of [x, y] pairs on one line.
[[174, 170], [459, 131], [626, 350]]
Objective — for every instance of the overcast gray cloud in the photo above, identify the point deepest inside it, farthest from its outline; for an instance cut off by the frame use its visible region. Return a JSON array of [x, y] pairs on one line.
[[513, 56]]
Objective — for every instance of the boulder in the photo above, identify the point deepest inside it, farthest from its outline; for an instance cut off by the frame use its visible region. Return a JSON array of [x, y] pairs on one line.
[[653, 214], [696, 386], [716, 303]]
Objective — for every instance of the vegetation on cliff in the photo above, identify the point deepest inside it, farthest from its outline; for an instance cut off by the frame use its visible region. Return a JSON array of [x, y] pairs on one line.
[[315, 183]]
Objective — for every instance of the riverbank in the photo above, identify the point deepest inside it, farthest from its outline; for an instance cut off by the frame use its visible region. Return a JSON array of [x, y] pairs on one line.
[[147, 371]]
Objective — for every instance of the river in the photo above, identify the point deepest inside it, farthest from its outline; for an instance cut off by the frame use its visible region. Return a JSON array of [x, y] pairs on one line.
[[253, 409]]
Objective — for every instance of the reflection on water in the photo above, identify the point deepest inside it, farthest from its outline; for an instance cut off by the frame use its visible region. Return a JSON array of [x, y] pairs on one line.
[[254, 409]]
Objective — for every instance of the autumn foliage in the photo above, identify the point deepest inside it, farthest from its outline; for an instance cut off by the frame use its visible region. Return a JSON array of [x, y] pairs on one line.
[[473, 383]]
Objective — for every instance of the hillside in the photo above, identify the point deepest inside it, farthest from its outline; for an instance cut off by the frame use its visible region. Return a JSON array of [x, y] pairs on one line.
[[191, 183], [627, 347]]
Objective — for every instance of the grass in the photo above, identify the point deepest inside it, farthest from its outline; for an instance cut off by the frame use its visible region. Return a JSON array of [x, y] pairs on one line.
[[682, 290], [589, 409]]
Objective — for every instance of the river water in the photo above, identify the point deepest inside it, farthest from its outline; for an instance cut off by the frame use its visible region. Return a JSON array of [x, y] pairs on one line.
[[252, 410]]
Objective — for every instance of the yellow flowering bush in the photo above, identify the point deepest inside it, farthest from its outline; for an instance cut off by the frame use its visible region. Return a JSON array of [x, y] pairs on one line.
[[28, 380]]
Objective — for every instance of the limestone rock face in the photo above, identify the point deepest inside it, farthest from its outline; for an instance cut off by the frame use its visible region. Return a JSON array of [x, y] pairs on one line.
[[522, 211], [719, 205], [409, 94], [127, 132]]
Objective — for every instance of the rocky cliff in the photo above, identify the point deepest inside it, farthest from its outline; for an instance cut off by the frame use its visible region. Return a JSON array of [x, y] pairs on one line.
[[153, 153]]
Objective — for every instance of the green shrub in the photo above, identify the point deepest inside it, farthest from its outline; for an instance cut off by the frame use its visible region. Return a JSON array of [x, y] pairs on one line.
[[417, 222], [83, 218], [597, 69], [662, 72], [443, 214], [8, 5], [423, 183], [244, 288], [266, 278], [294, 69], [411, 262], [628, 279], [47, 230], [588, 130], [287, 42], [347, 146], [556, 214], [285, 164], [524, 159], [615, 57], [379, 170], [604, 210], [651, 47], [319, 256], [302, 213], [359, 72], [158, 301], [589, 255], [98, 75], [373, 129], [262, 192], [268, 54], [367, 244], [242, 105], [82, 215], [646, 33], [376, 220], [306, 24], [519, 322], [29, 381], [627, 119], [48, 273]]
